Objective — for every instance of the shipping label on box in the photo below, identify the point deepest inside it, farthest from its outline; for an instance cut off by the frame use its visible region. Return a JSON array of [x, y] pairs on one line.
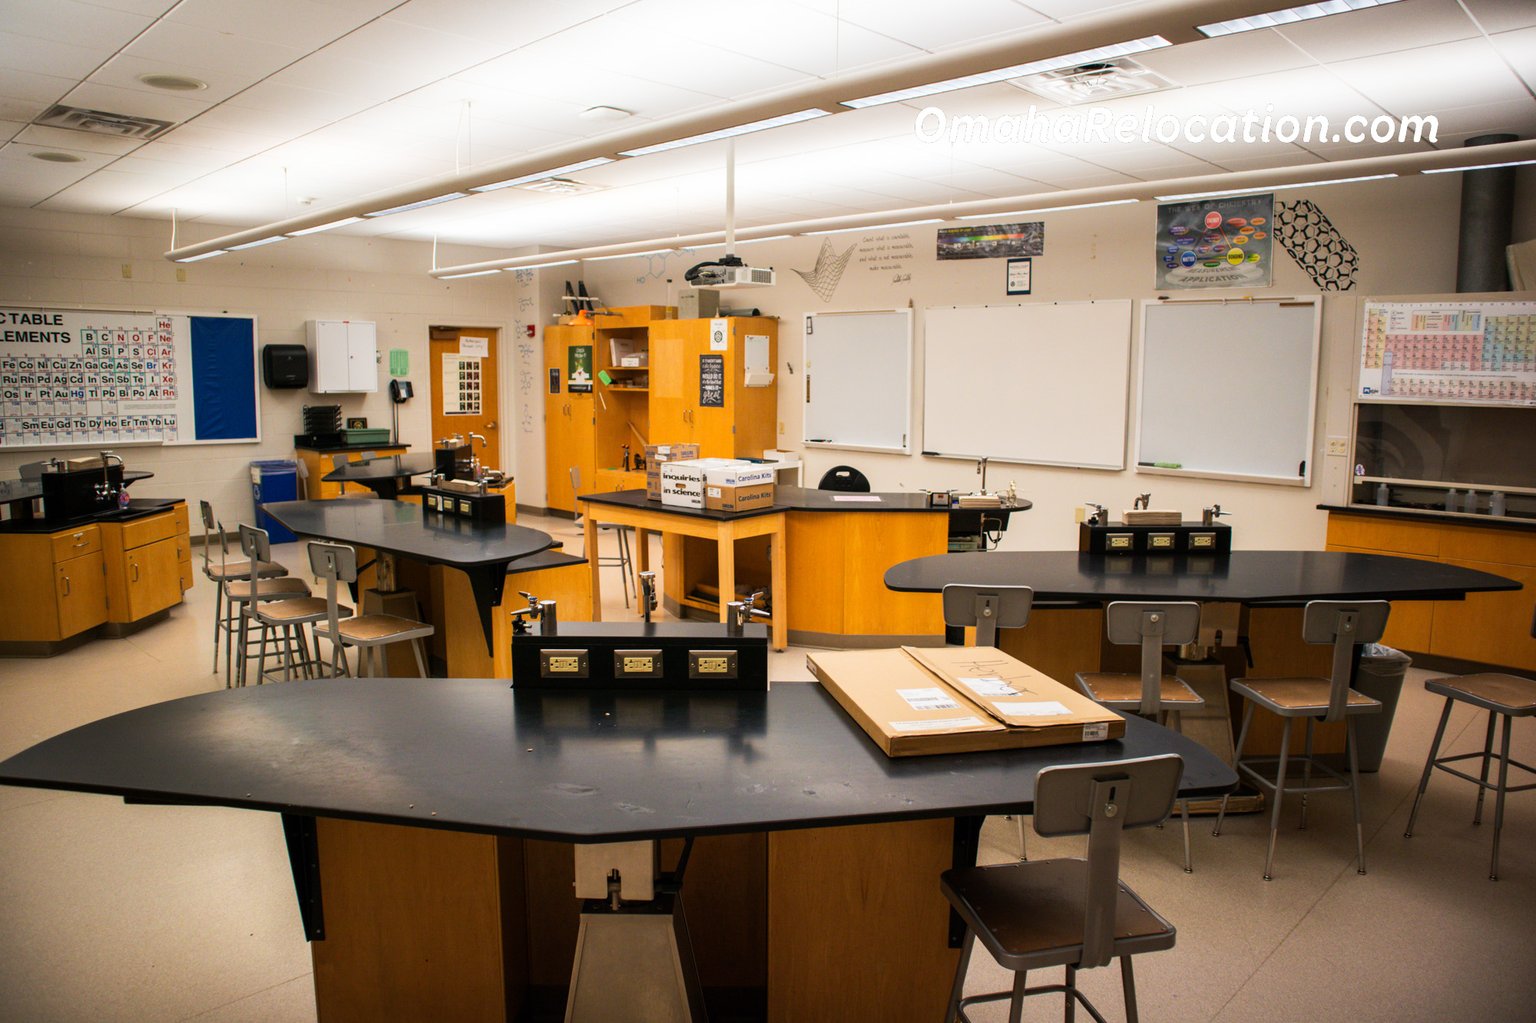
[[739, 473], [963, 699]]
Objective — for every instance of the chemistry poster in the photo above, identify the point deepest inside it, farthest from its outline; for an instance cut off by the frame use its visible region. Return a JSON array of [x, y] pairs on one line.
[[1215, 243]]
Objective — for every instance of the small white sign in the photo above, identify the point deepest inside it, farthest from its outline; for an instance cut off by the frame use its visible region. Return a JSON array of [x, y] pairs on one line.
[[1033, 709], [928, 699], [857, 498], [931, 726], [476, 346], [719, 335], [989, 686]]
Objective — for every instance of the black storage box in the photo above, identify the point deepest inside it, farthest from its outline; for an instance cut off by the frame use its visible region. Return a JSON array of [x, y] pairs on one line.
[[284, 367]]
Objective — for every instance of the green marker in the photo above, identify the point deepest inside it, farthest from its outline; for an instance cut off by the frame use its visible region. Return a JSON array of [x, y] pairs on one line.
[[1168, 465]]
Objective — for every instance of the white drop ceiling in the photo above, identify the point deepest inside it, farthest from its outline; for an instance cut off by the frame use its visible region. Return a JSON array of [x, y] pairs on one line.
[[313, 103]]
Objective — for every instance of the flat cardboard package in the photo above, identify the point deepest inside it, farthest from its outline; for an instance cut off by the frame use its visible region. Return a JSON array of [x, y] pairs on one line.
[[913, 701]]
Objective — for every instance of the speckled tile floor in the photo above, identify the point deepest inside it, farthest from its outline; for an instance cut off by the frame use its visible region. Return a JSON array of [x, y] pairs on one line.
[[116, 912]]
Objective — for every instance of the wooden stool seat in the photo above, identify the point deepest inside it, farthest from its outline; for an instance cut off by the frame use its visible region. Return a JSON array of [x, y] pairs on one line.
[[281, 588], [299, 609], [1502, 694], [1030, 915], [1123, 691], [377, 629], [1299, 697], [242, 570]]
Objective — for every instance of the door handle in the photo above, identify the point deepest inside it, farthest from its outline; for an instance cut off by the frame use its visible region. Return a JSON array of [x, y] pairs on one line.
[[490, 426], [66, 584], [135, 567]]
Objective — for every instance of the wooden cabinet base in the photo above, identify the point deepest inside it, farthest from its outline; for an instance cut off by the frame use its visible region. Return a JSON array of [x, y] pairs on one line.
[[427, 925]]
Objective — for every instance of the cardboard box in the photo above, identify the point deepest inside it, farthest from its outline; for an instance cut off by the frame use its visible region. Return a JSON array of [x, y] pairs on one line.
[[737, 499], [736, 472], [914, 701], [656, 455], [683, 481]]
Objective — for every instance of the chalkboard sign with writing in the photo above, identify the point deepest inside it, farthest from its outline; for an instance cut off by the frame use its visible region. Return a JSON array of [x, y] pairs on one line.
[[712, 381]]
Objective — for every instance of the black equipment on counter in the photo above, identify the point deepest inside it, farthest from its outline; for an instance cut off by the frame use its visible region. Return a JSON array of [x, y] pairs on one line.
[[640, 655], [1185, 538], [454, 458], [489, 509], [81, 486]]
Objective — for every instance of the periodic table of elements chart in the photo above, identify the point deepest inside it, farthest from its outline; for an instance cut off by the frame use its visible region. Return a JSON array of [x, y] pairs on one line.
[[95, 378], [1458, 352]]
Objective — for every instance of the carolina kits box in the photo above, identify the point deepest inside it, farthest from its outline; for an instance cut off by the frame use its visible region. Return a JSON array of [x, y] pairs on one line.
[[914, 701], [738, 486]]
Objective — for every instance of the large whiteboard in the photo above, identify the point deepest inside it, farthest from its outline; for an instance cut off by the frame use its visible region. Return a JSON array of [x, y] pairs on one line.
[[858, 380], [1043, 383], [1229, 389]]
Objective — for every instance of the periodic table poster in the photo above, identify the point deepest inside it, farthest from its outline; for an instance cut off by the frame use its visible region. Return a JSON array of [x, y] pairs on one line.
[[1464, 353], [99, 378]]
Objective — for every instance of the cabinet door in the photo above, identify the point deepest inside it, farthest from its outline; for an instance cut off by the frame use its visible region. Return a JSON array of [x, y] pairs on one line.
[[583, 440], [328, 345], [80, 591], [670, 401], [153, 577], [362, 357]]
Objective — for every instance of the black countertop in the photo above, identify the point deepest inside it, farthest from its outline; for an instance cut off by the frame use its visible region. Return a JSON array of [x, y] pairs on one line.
[[799, 499], [138, 508], [12, 491], [1245, 576], [400, 527], [390, 467], [637, 499], [327, 449], [475, 755]]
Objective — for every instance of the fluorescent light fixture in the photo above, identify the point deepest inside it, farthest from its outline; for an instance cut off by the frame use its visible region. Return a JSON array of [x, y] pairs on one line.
[[878, 227], [1477, 166], [569, 168], [343, 222], [417, 205], [476, 273], [1255, 189], [259, 242], [202, 255], [1288, 16], [1046, 209], [768, 238], [626, 255], [727, 133], [1017, 71], [538, 266]]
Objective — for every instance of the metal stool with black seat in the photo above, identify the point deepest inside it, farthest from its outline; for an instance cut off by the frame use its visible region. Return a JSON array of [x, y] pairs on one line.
[[1151, 694], [287, 619], [845, 478], [337, 563], [987, 609], [238, 593], [1501, 695], [226, 618], [1068, 912], [621, 560], [1346, 625]]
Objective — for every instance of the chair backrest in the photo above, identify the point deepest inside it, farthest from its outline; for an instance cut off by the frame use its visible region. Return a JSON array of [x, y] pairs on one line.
[[256, 545], [988, 608], [1152, 625], [206, 511], [1102, 800], [1346, 624], [335, 563], [845, 478]]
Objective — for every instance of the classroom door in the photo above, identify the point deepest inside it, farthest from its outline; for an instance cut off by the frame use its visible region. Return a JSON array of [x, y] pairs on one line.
[[463, 376]]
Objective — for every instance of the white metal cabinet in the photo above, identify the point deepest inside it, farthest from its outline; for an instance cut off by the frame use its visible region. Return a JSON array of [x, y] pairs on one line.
[[343, 356]]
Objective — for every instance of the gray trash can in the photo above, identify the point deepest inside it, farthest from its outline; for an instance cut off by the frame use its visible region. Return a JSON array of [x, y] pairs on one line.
[[1381, 674]]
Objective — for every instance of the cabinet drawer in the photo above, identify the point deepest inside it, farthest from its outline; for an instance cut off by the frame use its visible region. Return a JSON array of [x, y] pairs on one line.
[[147, 530], [85, 540]]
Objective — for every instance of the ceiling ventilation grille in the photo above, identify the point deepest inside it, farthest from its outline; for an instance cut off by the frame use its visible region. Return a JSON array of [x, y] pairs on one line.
[[559, 186], [1098, 80], [100, 122]]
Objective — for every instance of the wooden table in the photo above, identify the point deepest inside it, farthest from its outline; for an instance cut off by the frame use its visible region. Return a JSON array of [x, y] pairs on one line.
[[631, 508], [430, 824]]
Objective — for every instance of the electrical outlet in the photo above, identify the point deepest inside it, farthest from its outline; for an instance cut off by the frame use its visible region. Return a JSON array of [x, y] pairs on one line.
[[127, 271], [711, 664], [1079, 514], [1338, 446], [781, 427], [563, 663]]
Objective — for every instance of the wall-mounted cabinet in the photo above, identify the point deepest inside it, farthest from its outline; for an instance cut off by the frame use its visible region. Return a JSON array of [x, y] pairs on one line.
[[343, 356]]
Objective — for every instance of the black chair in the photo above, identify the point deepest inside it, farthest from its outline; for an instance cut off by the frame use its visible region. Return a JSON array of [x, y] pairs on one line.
[[845, 478], [1068, 912]]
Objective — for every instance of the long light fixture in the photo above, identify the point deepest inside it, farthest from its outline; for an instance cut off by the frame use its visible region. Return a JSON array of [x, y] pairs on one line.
[[570, 168], [729, 133], [539, 266], [472, 273], [1046, 209], [1478, 166], [626, 255], [343, 222], [418, 204], [1218, 193], [203, 255], [1288, 16], [878, 227], [259, 242], [1034, 67]]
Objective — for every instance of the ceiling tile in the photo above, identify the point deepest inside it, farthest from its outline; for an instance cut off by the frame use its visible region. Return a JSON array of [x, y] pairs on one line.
[[150, 8], [123, 71], [301, 24], [932, 26], [1519, 48], [512, 25], [1068, 10], [1224, 58], [49, 57], [196, 46], [1502, 15], [1400, 26], [155, 103], [1517, 116], [1464, 73], [68, 21], [1293, 157], [77, 141], [35, 91]]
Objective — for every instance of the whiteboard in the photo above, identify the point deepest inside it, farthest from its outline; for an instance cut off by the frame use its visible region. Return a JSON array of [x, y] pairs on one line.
[[1043, 383], [858, 380], [1229, 389]]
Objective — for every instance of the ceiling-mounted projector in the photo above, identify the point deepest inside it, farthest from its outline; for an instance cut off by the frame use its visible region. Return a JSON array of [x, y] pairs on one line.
[[728, 272]]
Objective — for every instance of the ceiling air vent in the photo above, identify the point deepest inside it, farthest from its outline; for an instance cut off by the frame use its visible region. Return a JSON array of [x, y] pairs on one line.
[[560, 186], [1099, 80], [99, 122]]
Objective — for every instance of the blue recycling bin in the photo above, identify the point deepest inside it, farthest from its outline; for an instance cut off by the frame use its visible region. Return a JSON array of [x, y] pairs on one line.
[[274, 480]]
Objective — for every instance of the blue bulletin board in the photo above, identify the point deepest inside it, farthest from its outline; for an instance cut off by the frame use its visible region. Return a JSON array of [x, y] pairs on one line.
[[94, 377]]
